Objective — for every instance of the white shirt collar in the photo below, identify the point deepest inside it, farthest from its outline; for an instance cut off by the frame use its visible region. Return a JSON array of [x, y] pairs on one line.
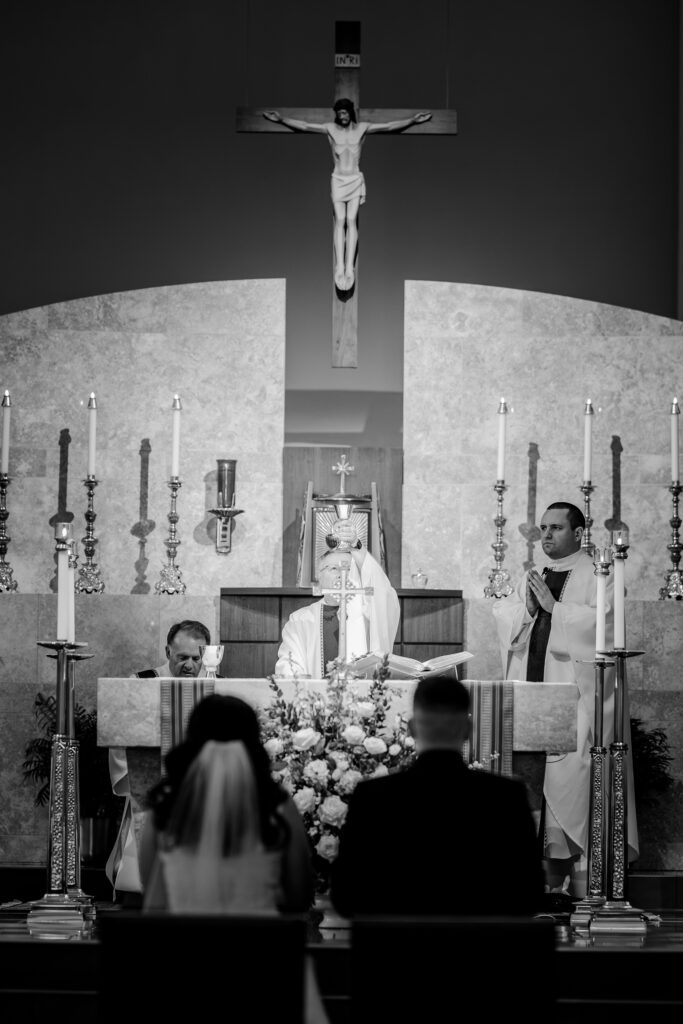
[[568, 562]]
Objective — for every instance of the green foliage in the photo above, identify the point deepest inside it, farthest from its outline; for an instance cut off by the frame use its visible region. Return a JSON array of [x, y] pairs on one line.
[[651, 760], [96, 797]]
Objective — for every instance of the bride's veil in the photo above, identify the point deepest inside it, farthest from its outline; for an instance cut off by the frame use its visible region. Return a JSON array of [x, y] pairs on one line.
[[216, 813]]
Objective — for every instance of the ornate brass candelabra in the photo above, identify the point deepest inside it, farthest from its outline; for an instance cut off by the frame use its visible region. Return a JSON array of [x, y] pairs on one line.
[[674, 578], [606, 910], [6, 573], [65, 910], [171, 581], [586, 542], [89, 579], [499, 579]]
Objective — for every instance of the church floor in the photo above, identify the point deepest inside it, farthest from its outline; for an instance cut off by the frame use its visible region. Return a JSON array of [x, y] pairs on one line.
[[627, 975]]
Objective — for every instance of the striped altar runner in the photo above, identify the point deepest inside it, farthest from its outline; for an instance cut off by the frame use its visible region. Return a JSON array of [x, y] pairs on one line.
[[492, 710], [177, 699]]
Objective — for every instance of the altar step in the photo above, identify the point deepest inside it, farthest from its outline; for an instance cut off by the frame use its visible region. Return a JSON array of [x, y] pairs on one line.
[[651, 890], [42, 980]]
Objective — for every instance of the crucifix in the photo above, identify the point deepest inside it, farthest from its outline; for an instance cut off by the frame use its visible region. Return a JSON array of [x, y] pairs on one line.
[[342, 592], [346, 134], [342, 469]]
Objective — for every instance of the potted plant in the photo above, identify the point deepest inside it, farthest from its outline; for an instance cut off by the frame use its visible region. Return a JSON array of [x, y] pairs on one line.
[[100, 809]]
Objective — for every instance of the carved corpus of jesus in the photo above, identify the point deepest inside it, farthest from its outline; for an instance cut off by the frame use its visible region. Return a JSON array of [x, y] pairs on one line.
[[346, 138]]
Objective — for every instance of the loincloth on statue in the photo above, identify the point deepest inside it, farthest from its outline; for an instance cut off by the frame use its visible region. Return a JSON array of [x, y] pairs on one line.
[[345, 187]]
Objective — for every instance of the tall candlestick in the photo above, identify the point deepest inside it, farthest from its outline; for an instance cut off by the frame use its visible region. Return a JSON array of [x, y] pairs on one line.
[[92, 432], [6, 412], [675, 414], [175, 452], [63, 536], [587, 441], [502, 421]]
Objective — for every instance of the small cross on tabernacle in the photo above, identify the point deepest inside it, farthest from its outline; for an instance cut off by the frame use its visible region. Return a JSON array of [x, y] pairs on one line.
[[343, 470]]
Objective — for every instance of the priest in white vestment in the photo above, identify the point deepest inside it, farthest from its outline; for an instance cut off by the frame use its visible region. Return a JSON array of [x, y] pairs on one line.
[[310, 636], [547, 631], [184, 661]]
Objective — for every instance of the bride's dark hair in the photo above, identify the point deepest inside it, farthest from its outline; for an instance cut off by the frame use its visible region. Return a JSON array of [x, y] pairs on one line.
[[222, 718]]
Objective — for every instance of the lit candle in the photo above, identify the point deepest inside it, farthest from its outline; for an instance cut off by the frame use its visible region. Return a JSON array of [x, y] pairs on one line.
[[502, 420], [619, 538], [63, 535], [6, 411], [71, 593], [601, 611], [587, 441], [675, 413], [175, 452], [92, 432]]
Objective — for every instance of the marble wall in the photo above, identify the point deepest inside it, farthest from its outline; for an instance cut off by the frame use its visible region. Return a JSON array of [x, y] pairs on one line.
[[466, 346], [221, 347]]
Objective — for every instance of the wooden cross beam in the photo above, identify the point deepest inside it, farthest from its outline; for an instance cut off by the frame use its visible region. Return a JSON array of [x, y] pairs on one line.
[[346, 86]]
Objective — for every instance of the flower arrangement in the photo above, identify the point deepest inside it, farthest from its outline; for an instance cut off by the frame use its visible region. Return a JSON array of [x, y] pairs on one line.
[[322, 744]]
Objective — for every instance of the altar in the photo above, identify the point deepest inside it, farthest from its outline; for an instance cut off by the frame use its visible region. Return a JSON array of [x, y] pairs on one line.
[[146, 716]]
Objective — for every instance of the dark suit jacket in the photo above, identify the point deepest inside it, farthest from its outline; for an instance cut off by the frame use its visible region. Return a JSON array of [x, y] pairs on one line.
[[438, 838]]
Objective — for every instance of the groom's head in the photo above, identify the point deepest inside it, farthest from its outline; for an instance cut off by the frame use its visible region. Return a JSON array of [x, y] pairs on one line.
[[441, 718]]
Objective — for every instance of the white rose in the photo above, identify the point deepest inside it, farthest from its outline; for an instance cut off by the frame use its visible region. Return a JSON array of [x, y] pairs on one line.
[[274, 746], [305, 799], [365, 708], [305, 739], [348, 781], [375, 746], [341, 760], [409, 742], [353, 734], [333, 811], [327, 847], [379, 771], [317, 771], [395, 749]]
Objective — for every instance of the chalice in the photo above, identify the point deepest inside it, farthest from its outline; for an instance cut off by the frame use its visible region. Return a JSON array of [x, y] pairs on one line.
[[212, 655]]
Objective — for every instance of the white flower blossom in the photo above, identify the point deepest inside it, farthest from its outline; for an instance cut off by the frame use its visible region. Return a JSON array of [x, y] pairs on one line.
[[305, 739], [349, 781], [305, 799], [395, 749], [365, 708], [333, 811], [327, 847], [274, 746], [317, 771], [379, 771], [354, 735], [375, 746]]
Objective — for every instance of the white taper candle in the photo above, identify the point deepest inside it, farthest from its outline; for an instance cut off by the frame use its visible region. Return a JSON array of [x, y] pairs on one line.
[[619, 604], [601, 612], [4, 451], [92, 432], [675, 418], [175, 450], [63, 533], [502, 422], [71, 596], [587, 441]]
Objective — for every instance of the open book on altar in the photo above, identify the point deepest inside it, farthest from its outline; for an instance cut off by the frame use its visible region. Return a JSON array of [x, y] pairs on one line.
[[410, 668]]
